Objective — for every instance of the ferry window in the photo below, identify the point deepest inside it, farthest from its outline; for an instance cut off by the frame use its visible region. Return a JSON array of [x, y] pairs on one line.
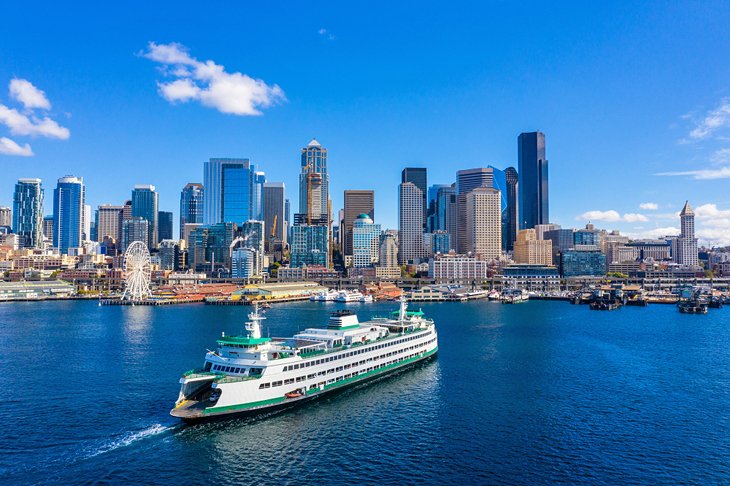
[[262, 385], [208, 365], [289, 381], [296, 366], [309, 377], [301, 378], [276, 383]]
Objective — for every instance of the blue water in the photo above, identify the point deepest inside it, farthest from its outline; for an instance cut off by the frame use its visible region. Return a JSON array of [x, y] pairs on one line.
[[533, 393]]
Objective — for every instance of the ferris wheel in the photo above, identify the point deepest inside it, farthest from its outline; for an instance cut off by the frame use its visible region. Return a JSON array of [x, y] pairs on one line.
[[137, 271]]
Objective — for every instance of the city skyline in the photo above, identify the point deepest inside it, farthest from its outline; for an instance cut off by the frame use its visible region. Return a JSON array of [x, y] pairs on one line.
[[633, 131]]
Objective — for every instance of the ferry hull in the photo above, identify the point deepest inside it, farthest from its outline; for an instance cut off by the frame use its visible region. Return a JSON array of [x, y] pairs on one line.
[[295, 402]]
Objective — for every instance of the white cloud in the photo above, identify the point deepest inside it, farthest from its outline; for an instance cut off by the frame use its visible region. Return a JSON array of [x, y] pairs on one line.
[[20, 124], [700, 174], [649, 206], [654, 233], [207, 82], [9, 147], [721, 156], [31, 97], [714, 120], [28, 123], [325, 32], [612, 216]]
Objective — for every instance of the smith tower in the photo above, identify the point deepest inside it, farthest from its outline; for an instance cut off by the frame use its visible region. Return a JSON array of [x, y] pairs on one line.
[[533, 173]]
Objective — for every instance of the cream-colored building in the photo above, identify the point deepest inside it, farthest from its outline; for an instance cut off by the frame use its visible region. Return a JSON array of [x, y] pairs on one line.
[[530, 250], [484, 223]]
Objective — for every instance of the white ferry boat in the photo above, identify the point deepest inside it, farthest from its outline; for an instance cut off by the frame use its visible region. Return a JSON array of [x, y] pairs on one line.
[[324, 296], [348, 296], [250, 373]]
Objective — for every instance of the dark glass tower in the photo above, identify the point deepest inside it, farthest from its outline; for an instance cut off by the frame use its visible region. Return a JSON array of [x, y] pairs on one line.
[[511, 178], [533, 170], [417, 175]]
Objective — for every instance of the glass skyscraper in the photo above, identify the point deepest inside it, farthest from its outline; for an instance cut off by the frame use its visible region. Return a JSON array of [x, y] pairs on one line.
[[144, 205], [274, 211], [28, 212], [533, 188], [191, 205], [365, 241], [510, 230], [68, 213], [164, 219], [309, 246], [233, 191]]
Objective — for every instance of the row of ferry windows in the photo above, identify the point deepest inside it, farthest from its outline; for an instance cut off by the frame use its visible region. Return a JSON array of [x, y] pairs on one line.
[[234, 369], [299, 379], [307, 364]]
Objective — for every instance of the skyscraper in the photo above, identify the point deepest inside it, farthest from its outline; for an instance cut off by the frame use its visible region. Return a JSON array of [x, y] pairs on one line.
[[274, 212], [687, 243], [109, 223], [309, 245], [513, 216], [357, 202], [228, 190], [531, 250], [252, 232], [410, 223], [533, 188], [28, 212], [484, 223], [469, 179], [68, 213], [164, 231], [135, 229], [365, 242], [191, 205], [6, 216], [48, 228], [144, 205], [419, 177], [258, 180], [314, 182]]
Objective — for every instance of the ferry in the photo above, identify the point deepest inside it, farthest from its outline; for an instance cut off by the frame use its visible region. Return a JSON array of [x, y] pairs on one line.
[[324, 296], [251, 373], [348, 296]]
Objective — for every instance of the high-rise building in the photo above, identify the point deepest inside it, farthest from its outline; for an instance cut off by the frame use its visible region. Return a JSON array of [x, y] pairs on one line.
[[164, 219], [419, 177], [109, 222], [314, 182], [388, 249], [191, 205], [528, 249], [561, 240], [357, 202], [447, 214], [6, 216], [469, 179], [127, 210], [48, 228], [86, 223], [252, 233], [541, 229], [135, 229], [69, 200], [145, 205], [309, 245], [513, 216], [365, 242], [274, 213], [484, 223], [687, 243], [169, 254], [243, 263], [230, 188], [28, 212], [258, 180], [410, 223], [533, 186], [574, 263]]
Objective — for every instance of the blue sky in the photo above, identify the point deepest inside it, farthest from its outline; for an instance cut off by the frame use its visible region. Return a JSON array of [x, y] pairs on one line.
[[623, 92]]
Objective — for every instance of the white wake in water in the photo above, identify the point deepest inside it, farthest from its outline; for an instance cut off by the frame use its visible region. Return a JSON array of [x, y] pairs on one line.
[[132, 437]]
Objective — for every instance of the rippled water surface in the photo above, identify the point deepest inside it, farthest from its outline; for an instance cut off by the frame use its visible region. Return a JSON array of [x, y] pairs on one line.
[[533, 393]]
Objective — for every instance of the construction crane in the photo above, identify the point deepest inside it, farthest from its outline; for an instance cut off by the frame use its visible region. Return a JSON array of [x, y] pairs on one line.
[[273, 226]]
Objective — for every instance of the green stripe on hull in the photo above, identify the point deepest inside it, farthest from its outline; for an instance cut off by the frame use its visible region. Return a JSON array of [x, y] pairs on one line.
[[278, 400]]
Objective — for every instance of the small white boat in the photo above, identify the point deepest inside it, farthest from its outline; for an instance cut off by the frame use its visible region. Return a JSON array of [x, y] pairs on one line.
[[366, 299], [493, 295]]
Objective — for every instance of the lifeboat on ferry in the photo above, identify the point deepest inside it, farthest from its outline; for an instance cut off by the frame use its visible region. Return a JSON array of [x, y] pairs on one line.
[[294, 394]]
